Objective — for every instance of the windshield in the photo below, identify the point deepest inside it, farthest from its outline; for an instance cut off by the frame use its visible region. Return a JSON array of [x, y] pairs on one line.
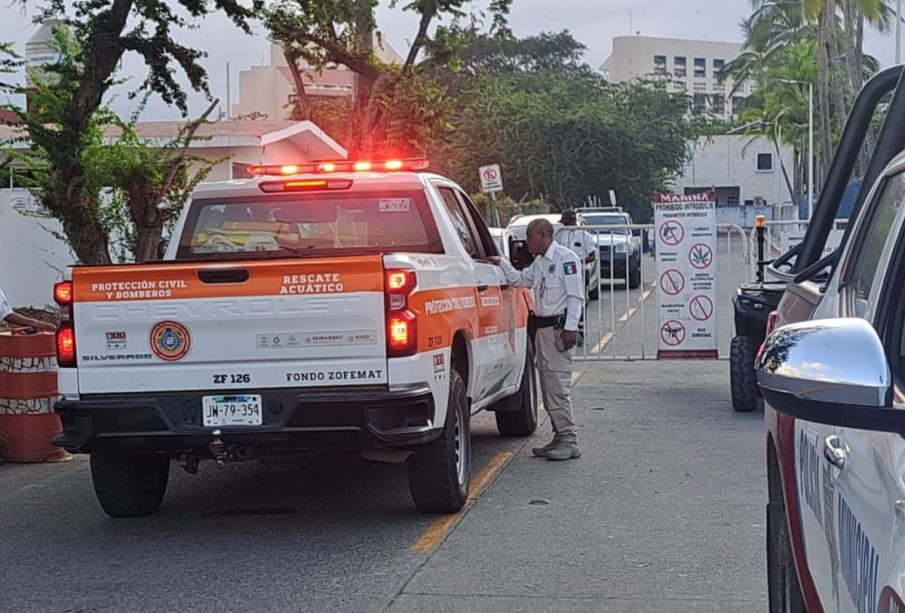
[[618, 221], [310, 224]]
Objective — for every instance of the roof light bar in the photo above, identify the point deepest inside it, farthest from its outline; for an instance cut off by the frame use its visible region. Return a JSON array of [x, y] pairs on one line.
[[326, 167]]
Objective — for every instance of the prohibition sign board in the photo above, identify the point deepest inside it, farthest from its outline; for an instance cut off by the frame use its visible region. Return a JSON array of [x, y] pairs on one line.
[[672, 232], [672, 332], [672, 282], [700, 255], [701, 307]]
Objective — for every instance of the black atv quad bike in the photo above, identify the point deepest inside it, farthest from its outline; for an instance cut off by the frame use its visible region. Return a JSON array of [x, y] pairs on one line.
[[752, 303]]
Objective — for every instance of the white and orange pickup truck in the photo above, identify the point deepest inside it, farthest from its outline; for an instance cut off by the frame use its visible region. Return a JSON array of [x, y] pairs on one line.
[[331, 305]]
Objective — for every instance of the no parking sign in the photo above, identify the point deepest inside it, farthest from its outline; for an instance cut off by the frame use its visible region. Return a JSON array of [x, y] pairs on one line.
[[686, 274]]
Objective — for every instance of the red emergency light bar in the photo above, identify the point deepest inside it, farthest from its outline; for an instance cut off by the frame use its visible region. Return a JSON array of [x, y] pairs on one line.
[[338, 166]]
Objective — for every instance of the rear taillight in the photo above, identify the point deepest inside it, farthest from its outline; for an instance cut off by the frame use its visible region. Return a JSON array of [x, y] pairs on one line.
[[402, 329], [62, 293], [66, 345], [63, 296]]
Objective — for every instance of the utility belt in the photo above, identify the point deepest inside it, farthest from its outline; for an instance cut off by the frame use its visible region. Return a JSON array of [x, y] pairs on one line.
[[536, 322]]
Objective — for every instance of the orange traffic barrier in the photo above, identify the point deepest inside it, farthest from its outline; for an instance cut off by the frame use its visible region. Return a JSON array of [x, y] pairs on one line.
[[28, 389]]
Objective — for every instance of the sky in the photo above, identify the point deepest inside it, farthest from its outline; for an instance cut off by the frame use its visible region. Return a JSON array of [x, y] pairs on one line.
[[594, 23]]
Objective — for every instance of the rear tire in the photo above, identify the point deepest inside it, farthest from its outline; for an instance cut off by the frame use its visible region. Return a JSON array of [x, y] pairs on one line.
[[440, 471], [517, 415], [130, 485], [742, 379]]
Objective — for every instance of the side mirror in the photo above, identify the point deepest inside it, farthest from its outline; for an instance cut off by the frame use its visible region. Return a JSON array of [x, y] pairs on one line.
[[831, 371]]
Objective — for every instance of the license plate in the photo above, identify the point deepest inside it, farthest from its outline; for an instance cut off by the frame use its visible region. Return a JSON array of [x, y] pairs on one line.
[[232, 410]]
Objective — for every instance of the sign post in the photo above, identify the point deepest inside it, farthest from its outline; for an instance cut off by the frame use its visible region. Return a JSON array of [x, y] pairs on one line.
[[492, 182], [491, 178], [686, 274]]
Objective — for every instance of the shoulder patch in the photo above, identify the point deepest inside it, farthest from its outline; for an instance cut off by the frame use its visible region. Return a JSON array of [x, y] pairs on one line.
[[570, 268]]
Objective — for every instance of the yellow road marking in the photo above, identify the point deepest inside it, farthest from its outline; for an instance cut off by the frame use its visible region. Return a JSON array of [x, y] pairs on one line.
[[603, 342], [622, 319], [438, 529]]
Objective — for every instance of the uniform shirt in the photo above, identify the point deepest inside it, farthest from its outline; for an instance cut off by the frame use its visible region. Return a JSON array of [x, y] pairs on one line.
[[579, 241], [5, 308], [556, 278]]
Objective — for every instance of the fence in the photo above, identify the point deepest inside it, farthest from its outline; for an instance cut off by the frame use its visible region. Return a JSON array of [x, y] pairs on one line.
[[624, 323]]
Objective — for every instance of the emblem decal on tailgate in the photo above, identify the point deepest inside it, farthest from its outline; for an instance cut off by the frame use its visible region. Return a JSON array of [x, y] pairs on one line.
[[170, 340]]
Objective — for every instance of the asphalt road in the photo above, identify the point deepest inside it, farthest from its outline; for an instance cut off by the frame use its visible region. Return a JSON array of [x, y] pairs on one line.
[[664, 511]]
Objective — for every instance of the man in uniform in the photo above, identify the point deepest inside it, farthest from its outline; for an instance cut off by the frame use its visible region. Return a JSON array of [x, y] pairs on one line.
[[577, 239], [581, 242], [555, 276]]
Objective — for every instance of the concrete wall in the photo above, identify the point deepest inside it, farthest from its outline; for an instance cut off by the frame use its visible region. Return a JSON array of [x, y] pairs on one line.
[[731, 161], [31, 258]]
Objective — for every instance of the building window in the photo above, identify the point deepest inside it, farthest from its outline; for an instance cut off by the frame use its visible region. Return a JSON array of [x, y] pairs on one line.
[[679, 86], [700, 86], [659, 64], [718, 104], [679, 67], [764, 162], [719, 87], [737, 102], [732, 200], [700, 67], [718, 66], [699, 103]]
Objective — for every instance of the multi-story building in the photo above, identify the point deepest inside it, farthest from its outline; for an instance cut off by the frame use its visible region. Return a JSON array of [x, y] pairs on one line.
[[691, 66], [269, 90]]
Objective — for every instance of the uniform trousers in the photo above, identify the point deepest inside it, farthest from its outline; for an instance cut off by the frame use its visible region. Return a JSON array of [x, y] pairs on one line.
[[555, 373]]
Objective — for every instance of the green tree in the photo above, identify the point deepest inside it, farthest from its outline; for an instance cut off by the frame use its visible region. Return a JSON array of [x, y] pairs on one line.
[[149, 180], [105, 32], [562, 137], [394, 108]]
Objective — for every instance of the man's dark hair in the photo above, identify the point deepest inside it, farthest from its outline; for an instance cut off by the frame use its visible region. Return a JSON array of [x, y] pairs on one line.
[[568, 217]]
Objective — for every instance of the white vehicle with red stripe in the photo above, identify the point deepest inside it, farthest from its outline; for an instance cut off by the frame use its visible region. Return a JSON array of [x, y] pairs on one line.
[[325, 306]]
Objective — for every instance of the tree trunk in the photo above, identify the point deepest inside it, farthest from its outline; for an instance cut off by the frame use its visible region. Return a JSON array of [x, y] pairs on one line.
[[148, 239], [69, 200], [87, 236], [823, 95], [302, 104], [849, 16], [364, 26], [838, 84], [785, 172]]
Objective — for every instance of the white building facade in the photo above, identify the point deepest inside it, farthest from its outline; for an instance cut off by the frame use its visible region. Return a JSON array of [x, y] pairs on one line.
[[690, 66], [269, 90], [746, 174]]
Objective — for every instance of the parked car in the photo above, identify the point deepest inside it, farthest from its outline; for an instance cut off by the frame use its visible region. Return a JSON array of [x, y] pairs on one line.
[[620, 248], [831, 376]]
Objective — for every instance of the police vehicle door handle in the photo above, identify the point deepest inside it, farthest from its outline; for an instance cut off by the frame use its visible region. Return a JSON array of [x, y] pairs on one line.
[[834, 451], [483, 287]]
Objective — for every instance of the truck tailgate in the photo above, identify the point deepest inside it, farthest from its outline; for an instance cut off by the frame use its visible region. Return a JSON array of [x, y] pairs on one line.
[[239, 325]]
